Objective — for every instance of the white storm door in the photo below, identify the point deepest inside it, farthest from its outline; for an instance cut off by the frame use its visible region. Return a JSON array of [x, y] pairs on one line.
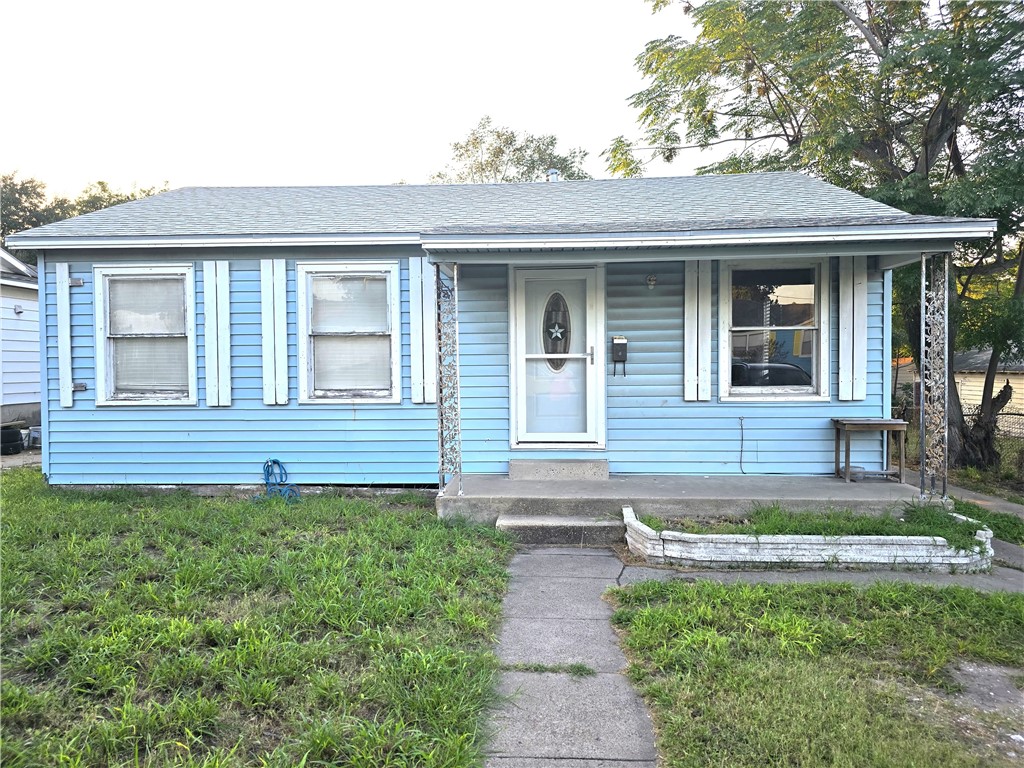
[[557, 356]]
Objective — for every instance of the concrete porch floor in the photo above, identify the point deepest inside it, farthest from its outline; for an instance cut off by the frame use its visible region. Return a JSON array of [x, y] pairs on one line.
[[486, 497]]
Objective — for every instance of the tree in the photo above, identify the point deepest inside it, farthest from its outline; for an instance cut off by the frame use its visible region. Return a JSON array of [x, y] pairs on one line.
[[24, 205], [917, 106], [491, 155]]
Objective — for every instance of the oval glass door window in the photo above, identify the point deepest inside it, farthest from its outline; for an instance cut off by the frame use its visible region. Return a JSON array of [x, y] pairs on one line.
[[557, 328]]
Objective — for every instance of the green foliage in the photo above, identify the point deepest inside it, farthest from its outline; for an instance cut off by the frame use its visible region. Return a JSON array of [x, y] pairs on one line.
[[492, 155], [812, 674], [24, 205], [917, 108], [167, 629]]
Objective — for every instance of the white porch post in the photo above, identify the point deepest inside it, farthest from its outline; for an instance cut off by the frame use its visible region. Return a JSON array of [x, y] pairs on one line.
[[449, 430], [934, 372]]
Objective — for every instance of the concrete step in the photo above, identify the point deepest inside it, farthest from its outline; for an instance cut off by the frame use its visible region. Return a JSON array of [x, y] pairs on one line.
[[583, 531], [558, 469]]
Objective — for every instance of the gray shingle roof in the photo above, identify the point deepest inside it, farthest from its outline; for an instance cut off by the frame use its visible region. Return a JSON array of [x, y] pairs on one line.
[[976, 361], [740, 201]]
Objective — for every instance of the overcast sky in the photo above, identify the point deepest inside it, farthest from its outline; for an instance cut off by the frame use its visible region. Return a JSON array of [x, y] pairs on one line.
[[309, 92]]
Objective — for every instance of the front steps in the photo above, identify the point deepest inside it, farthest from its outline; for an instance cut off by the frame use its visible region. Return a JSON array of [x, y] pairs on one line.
[[588, 510], [571, 531], [564, 520]]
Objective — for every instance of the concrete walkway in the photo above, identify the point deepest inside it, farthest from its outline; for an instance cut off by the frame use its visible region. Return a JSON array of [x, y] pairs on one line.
[[554, 617]]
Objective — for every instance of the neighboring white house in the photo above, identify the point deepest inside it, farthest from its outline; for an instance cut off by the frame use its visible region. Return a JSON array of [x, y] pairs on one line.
[[19, 330], [969, 370]]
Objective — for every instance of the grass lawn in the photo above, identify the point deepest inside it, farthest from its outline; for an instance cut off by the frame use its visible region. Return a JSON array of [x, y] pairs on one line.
[[166, 629], [816, 675]]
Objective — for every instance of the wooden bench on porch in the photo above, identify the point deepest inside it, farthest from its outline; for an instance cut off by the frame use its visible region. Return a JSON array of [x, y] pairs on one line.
[[869, 425]]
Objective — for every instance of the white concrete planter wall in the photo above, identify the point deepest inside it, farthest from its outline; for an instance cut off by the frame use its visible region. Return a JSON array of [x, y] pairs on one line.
[[717, 550]]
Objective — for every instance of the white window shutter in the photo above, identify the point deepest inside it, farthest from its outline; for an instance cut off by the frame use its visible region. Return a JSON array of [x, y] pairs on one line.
[[423, 329], [697, 331], [64, 380], [217, 332], [273, 299], [853, 327]]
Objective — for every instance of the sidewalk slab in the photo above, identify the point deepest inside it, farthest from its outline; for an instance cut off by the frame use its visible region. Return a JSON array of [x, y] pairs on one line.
[[983, 500], [560, 641], [556, 598], [575, 566], [1010, 555], [556, 716], [533, 762]]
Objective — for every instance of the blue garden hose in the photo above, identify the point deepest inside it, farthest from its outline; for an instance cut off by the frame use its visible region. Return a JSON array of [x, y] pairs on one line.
[[276, 478]]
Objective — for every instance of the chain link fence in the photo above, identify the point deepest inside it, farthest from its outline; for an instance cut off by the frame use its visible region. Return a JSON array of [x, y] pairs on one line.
[[1009, 436]]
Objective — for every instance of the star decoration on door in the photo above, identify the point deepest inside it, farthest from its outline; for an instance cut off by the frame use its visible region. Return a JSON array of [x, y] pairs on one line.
[[556, 331]]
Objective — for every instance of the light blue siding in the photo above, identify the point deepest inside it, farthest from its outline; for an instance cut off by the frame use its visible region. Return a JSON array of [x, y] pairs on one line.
[[345, 444], [650, 429]]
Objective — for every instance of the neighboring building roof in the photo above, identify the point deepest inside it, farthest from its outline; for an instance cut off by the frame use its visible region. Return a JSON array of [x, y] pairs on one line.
[[680, 205], [976, 361], [15, 272]]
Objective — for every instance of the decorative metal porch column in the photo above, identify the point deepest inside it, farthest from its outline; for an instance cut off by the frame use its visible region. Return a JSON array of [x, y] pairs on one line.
[[449, 431], [934, 372]]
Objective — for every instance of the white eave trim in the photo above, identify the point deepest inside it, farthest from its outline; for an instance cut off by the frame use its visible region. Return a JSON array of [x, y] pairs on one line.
[[773, 236], [28, 285], [211, 241], [967, 230]]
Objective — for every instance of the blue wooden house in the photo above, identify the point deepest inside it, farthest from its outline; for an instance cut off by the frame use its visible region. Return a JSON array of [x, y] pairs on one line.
[[709, 325]]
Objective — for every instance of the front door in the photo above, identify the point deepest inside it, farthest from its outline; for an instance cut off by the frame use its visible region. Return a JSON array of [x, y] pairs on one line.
[[557, 356]]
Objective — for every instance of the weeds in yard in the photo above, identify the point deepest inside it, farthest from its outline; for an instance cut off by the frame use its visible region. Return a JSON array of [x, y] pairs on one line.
[[575, 669], [168, 629], [915, 520], [1004, 525], [780, 675]]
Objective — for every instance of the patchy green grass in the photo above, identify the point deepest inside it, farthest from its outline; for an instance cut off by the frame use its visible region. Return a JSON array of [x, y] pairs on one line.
[[812, 675], [1004, 526], [774, 520], [166, 629]]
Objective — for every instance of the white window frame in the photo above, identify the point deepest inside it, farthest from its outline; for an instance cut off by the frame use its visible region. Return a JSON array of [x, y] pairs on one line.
[[823, 291], [104, 357], [304, 273]]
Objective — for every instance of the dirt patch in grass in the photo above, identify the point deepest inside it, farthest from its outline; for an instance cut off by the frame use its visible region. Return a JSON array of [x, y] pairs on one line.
[[988, 687]]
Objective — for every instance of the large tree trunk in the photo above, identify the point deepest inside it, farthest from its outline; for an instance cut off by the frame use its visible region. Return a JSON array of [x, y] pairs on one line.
[[983, 432]]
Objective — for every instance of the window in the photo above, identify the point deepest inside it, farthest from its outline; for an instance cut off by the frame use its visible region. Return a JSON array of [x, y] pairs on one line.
[[145, 336], [773, 331], [350, 345]]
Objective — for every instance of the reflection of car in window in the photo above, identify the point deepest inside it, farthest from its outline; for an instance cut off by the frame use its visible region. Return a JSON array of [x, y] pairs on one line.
[[769, 375]]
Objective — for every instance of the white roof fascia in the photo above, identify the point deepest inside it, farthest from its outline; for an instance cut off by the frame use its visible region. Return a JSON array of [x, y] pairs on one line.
[[28, 284], [899, 253], [15, 265], [210, 241], [770, 236], [946, 231]]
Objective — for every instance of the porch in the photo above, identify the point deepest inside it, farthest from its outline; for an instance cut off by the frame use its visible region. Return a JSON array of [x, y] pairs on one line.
[[582, 511]]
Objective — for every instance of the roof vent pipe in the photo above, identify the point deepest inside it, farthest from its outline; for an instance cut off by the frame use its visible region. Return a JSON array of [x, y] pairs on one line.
[[552, 174]]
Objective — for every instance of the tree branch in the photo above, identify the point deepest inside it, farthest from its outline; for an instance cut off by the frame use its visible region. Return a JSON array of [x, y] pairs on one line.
[[876, 45]]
